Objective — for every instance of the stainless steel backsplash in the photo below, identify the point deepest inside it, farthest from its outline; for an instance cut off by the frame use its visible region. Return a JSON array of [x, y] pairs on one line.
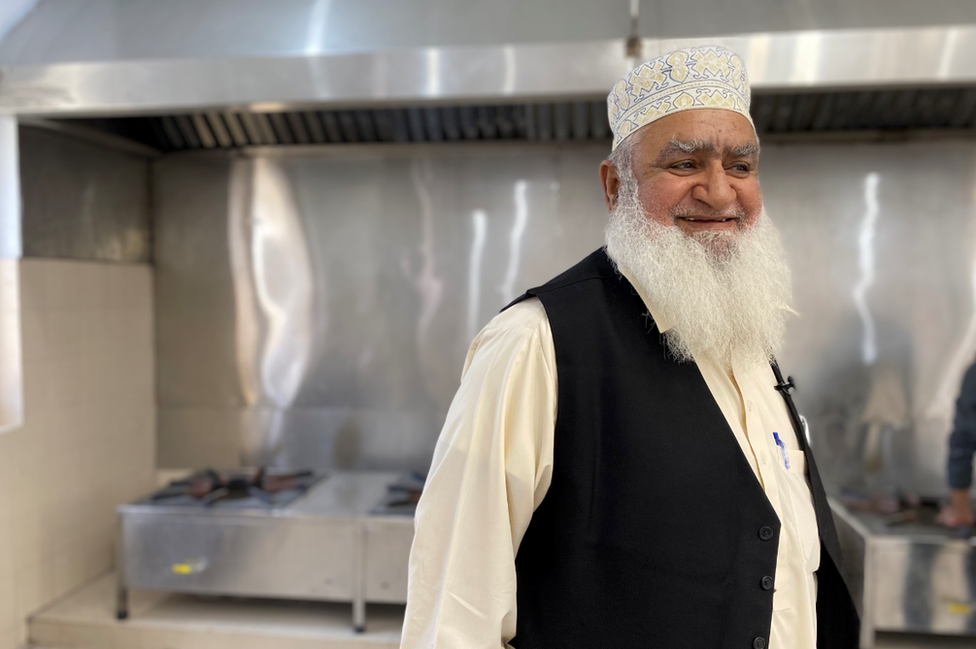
[[315, 310], [82, 200]]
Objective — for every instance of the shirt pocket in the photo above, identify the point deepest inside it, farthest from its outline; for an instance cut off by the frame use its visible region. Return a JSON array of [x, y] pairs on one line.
[[804, 514]]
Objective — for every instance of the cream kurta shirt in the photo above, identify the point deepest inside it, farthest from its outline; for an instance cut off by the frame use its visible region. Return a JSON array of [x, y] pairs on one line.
[[493, 464]]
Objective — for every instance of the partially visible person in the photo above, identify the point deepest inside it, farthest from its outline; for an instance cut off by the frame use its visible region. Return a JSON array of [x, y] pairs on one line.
[[962, 447]]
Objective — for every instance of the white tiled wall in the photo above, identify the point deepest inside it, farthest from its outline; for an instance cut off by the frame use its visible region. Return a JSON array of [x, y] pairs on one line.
[[11, 385], [88, 440]]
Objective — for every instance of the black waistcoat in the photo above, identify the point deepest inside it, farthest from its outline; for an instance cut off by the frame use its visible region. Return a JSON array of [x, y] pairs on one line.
[[655, 531]]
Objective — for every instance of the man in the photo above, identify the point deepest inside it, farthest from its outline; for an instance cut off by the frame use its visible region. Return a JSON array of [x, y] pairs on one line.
[[617, 469], [962, 447]]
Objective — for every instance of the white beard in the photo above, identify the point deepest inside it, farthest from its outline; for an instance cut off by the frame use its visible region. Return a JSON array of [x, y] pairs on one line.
[[725, 294]]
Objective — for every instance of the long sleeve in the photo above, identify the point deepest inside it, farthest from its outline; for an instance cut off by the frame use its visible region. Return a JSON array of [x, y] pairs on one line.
[[491, 468], [962, 442]]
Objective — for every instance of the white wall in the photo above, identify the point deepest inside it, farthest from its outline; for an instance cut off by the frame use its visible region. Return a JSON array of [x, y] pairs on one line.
[[11, 383], [88, 442]]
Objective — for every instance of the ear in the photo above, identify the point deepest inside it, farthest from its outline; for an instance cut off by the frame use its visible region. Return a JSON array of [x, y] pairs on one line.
[[611, 183]]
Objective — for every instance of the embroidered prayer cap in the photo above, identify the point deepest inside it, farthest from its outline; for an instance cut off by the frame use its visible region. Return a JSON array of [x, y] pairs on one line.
[[694, 77]]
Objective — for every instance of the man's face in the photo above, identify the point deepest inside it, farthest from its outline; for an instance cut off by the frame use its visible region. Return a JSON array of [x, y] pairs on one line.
[[697, 169]]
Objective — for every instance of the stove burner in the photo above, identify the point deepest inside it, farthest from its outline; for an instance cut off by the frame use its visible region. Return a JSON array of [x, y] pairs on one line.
[[402, 496], [211, 486]]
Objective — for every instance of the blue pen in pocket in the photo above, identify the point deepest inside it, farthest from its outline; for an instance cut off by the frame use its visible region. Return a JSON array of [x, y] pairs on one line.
[[782, 449]]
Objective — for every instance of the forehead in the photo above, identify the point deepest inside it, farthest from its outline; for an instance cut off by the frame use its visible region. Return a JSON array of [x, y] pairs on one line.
[[723, 129]]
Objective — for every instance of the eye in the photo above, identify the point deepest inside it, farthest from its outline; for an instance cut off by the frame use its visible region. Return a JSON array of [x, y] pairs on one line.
[[684, 165], [741, 167]]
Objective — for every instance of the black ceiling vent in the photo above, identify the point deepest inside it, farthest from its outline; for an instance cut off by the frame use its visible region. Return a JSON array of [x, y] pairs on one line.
[[796, 113]]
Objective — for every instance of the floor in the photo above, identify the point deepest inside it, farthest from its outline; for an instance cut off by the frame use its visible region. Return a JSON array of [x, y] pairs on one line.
[[912, 641], [86, 620]]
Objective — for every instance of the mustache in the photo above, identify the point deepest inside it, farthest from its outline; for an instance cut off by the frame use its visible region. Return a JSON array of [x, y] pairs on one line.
[[731, 212]]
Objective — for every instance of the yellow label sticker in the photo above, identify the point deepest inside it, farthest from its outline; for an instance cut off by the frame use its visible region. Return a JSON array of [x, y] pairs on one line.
[[183, 568], [960, 609]]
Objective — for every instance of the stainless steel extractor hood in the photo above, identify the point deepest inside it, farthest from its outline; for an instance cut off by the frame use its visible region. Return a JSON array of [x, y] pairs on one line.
[[870, 112], [75, 58]]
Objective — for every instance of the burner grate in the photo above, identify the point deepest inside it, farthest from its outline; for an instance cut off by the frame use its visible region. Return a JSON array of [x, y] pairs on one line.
[[242, 490]]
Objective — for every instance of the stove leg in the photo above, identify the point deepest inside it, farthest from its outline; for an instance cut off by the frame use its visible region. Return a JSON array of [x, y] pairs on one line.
[[359, 615], [122, 604], [359, 585], [121, 592]]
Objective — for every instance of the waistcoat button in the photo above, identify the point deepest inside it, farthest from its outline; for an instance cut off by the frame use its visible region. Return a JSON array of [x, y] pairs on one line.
[[759, 643], [767, 583], [766, 532]]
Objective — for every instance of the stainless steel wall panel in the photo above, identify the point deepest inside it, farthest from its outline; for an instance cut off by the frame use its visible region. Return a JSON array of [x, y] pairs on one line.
[[326, 303], [394, 259], [194, 283], [882, 241], [81, 200]]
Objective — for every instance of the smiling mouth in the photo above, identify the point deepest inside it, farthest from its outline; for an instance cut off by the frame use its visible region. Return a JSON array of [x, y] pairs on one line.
[[708, 220]]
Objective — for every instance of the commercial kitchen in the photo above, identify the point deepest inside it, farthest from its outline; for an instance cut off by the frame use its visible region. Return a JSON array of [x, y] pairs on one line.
[[245, 246]]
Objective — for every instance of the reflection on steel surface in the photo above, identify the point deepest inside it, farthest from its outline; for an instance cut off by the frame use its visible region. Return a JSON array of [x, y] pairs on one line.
[[479, 225], [58, 31], [273, 286], [869, 350], [11, 369], [108, 29], [949, 387], [508, 289], [427, 282], [834, 59], [11, 359], [10, 216]]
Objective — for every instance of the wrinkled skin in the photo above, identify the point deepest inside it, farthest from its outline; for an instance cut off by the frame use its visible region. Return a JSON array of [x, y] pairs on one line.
[[709, 182]]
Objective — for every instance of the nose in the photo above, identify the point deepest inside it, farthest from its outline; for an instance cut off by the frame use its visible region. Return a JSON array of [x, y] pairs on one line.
[[714, 189]]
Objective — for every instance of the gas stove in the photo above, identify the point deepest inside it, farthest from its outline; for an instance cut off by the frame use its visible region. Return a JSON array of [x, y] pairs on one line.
[[337, 536], [237, 489]]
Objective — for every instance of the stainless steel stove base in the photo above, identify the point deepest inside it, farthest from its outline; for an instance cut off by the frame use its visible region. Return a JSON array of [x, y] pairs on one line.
[[909, 578], [326, 545]]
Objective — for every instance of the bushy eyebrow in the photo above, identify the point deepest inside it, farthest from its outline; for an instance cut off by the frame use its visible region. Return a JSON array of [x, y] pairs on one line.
[[750, 150], [707, 147]]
